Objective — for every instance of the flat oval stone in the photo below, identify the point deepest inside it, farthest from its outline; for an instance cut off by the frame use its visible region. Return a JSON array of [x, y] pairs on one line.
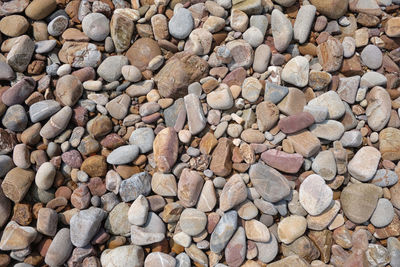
[[385, 178], [123, 154], [130, 255], [269, 183], [325, 165], [223, 232], [359, 201], [143, 138], [160, 259], [332, 101], [181, 23], [364, 163], [295, 123], [235, 251], [152, 231], [165, 147], [296, 71], [383, 214], [19, 91], [378, 109], [371, 56], [43, 109], [189, 187], [111, 68], [57, 123], [96, 26], [282, 30], [329, 130], [233, 193], [282, 161], [15, 118], [315, 195], [270, 249]]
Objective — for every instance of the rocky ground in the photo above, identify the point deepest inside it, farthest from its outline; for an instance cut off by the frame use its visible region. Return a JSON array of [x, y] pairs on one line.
[[165, 133]]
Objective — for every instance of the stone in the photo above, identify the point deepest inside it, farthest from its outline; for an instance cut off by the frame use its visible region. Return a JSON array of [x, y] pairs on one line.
[[282, 30], [121, 29], [293, 102], [21, 53], [303, 247], [328, 130], [371, 56], [385, 178], [304, 20], [123, 154], [282, 161], [193, 221], [349, 46], [320, 222], [296, 71], [17, 183], [220, 99], [181, 23], [138, 184], [15, 118], [383, 214], [17, 237], [348, 88], [364, 164], [142, 51], [152, 231], [96, 26], [239, 20], [172, 81], [189, 187], [43, 109], [315, 195], [69, 89], [159, 259], [130, 255], [267, 115], [332, 101], [39, 9], [392, 27], [137, 213], [110, 68], [164, 184], [19, 25], [60, 248], [268, 182], [95, 166], [270, 250], [253, 36], [393, 246], [262, 56], [143, 138], [47, 221], [359, 201], [389, 143], [257, 231], [6, 72], [200, 41], [333, 9], [251, 89], [165, 148], [290, 228], [223, 232], [117, 222], [57, 25], [378, 109], [131, 73], [235, 251], [85, 224], [330, 54], [57, 123], [233, 193], [296, 123], [195, 114], [19, 92], [118, 107], [319, 80], [305, 143], [275, 93], [372, 78], [45, 176]]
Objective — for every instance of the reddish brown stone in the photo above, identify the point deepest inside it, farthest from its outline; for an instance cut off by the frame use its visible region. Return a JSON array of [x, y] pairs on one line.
[[97, 186], [221, 163], [351, 66], [142, 51], [22, 214], [57, 204], [295, 123], [112, 141], [95, 166], [235, 77], [80, 116], [80, 198], [63, 191], [165, 148], [72, 158], [290, 163], [7, 141]]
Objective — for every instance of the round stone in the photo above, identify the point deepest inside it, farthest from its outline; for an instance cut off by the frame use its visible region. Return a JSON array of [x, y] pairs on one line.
[[96, 26], [181, 23], [14, 25], [383, 214], [372, 57], [291, 228], [111, 68], [193, 221], [57, 26], [142, 52]]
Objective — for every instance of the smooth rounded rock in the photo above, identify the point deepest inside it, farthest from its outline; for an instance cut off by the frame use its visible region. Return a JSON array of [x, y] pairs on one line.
[[291, 228], [315, 195], [96, 26]]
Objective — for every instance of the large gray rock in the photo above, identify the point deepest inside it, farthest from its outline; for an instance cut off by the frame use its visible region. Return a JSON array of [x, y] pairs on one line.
[[223, 232], [137, 184]]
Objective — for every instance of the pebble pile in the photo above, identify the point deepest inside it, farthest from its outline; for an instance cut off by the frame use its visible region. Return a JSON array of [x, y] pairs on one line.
[[179, 133]]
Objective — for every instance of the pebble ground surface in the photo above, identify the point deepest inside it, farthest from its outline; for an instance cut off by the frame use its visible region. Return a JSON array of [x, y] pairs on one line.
[[179, 133]]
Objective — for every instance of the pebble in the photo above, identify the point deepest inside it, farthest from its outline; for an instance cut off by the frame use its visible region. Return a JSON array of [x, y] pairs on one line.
[[45, 176], [181, 23], [364, 164], [84, 225], [57, 26], [282, 161], [6, 72], [164, 184], [251, 89], [138, 184], [349, 46], [262, 56], [291, 228], [332, 101], [60, 248], [193, 221], [159, 259], [333, 9], [96, 26], [233, 193], [296, 71], [275, 93], [315, 195], [165, 147], [269, 183], [110, 68], [19, 25], [69, 89], [385, 178], [39, 9], [57, 123], [303, 23], [223, 232], [16, 237], [195, 115], [15, 118], [282, 30], [253, 36], [189, 187], [359, 201], [348, 88], [129, 255], [351, 138], [383, 214], [330, 54], [257, 231], [152, 231], [220, 99], [235, 252], [371, 56], [123, 154], [131, 73], [329, 130]]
